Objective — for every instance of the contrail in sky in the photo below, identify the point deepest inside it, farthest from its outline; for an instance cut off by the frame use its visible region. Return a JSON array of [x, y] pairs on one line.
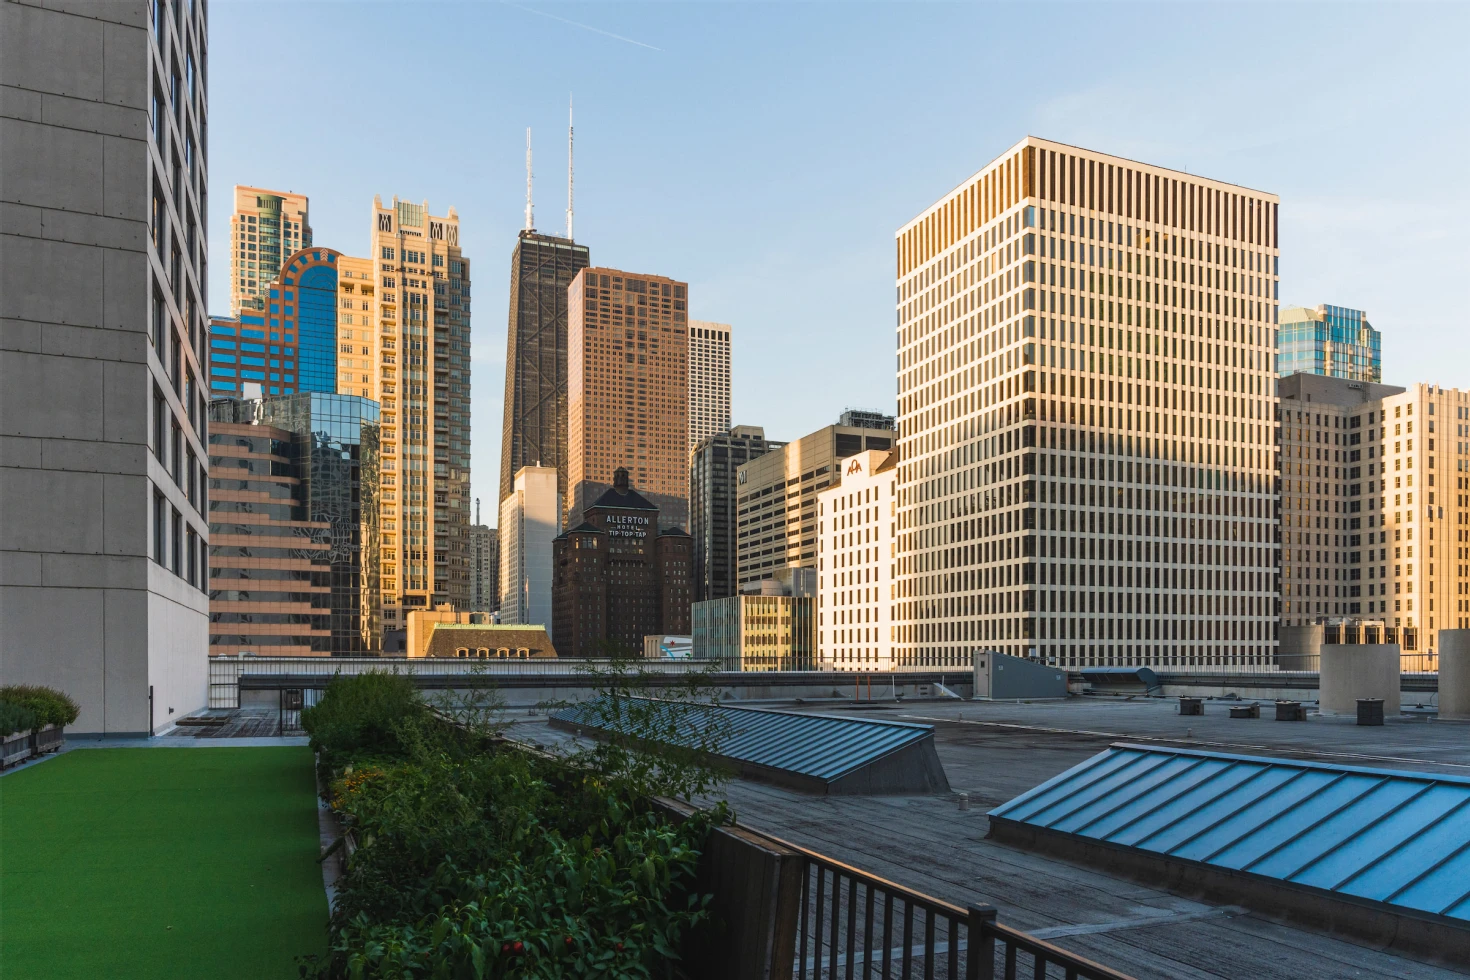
[[585, 27]]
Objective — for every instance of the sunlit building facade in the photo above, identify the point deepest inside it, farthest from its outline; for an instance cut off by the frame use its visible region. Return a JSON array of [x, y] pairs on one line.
[[709, 380], [1330, 340], [857, 527], [266, 227], [1087, 401]]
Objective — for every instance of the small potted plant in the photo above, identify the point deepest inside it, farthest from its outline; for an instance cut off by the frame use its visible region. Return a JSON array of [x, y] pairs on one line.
[[52, 710], [16, 723]]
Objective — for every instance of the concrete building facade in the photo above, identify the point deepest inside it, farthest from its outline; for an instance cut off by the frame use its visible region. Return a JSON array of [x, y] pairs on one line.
[[102, 293], [534, 422], [1086, 401], [421, 301], [713, 469], [776, 498], [530, 520], [266, 227], [709, 380], [1329, 340], [628, 381], [1374, 490], [856, 554]]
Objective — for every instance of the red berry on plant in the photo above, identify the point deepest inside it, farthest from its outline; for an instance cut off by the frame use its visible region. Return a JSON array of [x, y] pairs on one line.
[[518, 947]]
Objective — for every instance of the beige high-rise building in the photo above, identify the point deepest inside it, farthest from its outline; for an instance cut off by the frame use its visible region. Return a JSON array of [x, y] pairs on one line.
[[266, 227], [421, 351], [776, 498], [358, 337], [1374, 506], [1086, 401], [709, 380], [628, 381], [857, 522]]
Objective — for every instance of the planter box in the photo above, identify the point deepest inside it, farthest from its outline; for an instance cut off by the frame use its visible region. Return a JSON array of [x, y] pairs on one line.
[[15, 748], [48, 739]]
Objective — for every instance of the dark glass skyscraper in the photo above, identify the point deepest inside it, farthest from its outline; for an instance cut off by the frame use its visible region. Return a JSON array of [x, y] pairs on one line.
[[712, 486], [535, 420]]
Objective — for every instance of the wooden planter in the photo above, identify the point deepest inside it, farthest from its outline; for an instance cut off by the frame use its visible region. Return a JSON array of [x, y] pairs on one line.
[[15, 748], [46, 740]]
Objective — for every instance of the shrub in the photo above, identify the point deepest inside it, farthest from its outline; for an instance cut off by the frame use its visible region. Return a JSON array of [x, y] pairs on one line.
[[48, 705], [364, 715], [14, 718]]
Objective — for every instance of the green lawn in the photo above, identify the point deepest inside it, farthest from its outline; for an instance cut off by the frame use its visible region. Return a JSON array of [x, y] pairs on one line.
[[160, 863]]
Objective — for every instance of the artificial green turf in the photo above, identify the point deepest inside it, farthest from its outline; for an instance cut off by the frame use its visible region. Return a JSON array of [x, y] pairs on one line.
[[160, 863]]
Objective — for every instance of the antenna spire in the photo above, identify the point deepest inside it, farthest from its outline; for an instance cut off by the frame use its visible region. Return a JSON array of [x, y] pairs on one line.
[[569, 167], [530, 219]]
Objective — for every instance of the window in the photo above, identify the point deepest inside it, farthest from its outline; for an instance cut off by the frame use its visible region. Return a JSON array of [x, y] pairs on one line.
[[160, 318], [192, 552], [176, 459], [159, 211], [160, 530], [160, 416], [178, 544]]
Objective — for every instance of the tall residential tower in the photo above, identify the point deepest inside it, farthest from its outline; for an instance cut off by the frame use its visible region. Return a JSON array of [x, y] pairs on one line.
[[266, 227], [1087, 400]]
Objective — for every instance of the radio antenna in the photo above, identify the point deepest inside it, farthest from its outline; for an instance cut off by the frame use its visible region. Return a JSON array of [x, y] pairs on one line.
[[569, 167], [530, 219]]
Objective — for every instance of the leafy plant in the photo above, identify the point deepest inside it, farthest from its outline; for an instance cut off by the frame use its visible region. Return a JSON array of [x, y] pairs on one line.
[[363, 715], [47, 705], [15, 718]]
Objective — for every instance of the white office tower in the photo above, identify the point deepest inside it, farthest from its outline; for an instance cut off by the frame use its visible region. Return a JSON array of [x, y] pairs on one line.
[[856, 520], [1086, 409], [530, 519], [103, 523], [709, 380]]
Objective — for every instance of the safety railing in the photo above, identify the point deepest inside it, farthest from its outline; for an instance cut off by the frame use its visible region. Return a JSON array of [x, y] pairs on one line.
[[856, 926]]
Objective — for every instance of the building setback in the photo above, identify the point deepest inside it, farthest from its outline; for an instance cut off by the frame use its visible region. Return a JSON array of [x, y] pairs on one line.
[[776, 502], [542, 267], [266, 227], [628, 384], [618, 577], [1374, 490], [709, 380], [1086, 402], [856, 527], [530, 519], [102, 476], [1329, 340], [712, 474]]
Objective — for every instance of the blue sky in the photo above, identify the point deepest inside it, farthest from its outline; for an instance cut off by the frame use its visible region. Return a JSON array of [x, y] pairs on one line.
[[766, 153]]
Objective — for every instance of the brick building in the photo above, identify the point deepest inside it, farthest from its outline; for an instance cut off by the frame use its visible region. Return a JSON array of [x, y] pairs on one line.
[[617, 577]]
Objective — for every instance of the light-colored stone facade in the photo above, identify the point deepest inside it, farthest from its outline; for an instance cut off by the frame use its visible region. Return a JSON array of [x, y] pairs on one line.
[[1086, 404], [857, 530], [1375, 508], [530, 520], [103, 541], [709, 380]]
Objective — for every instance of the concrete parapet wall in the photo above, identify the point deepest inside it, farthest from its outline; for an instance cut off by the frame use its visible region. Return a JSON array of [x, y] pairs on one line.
[[1454, 675], [1353, 671]]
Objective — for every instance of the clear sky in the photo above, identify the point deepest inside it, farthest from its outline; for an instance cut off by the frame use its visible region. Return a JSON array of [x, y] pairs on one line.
[[766, 153]]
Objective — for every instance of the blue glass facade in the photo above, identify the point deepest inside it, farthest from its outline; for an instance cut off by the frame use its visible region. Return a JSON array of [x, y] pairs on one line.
[[1331, 340], [243, 350], [303, 304]]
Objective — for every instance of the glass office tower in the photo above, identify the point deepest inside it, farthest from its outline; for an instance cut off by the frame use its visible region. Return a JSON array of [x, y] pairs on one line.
[[1331, 340]]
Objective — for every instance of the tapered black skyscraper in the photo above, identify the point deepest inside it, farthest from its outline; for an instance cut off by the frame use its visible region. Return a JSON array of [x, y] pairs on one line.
[[535, 426]]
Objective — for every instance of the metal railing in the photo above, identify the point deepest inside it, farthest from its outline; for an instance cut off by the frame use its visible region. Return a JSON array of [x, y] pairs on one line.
[[225, 672], [855, 925]]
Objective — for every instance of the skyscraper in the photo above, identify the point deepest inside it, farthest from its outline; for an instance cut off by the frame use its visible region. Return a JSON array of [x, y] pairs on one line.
[[628, 388], [857, 528], [484, 568], [1330, 340], [709, 380], [266, 227], [1354, 456], [102, 479], [1086, 397], [530, 520], [712, 492], [542, 268], [421, 299], [238, 356]]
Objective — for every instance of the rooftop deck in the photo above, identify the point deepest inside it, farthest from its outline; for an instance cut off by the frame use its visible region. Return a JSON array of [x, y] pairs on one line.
[[996, 751]]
